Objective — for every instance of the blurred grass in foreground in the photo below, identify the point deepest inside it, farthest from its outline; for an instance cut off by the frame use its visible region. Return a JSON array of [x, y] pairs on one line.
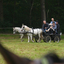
[[30, 50]]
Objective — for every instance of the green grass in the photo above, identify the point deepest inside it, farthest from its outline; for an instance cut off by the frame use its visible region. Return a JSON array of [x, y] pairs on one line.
[[30, 50]]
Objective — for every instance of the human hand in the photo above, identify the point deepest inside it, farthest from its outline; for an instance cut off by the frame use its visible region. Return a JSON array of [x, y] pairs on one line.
[[51, 27]]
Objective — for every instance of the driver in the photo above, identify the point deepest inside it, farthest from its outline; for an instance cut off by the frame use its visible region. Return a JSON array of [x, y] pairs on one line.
[[45, 26]]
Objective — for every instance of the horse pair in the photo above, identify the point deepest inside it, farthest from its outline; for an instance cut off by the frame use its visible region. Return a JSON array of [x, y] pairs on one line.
[[29, 31]]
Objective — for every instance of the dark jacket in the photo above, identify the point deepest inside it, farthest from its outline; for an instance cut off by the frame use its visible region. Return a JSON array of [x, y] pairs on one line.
[[45, 25], [58, 28]]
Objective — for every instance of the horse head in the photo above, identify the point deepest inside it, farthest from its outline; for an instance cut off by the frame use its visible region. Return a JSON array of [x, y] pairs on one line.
[[26, 28], [14, 31], [23, 26]]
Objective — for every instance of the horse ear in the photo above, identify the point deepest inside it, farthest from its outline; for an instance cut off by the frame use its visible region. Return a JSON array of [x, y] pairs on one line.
[[11, 58], [13, 27], [22, 24]]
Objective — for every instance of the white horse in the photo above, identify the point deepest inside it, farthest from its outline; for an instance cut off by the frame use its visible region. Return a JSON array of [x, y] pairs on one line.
[[31, 32], [19, 30]]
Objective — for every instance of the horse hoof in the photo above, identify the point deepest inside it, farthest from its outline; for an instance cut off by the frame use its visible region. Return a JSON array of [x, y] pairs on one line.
[[22, 40], [38, 41], [32, 41]]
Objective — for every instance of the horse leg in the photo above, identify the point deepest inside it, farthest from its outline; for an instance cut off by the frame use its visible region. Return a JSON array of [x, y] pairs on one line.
[[28, 38], [39, 38], [31, 38], [22, 37]]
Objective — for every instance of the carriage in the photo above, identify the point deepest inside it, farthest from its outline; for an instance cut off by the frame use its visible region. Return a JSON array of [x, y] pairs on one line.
[[48, 37]]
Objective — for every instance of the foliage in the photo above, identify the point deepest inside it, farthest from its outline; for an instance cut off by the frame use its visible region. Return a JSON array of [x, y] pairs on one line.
[[56, 11], [17, 12]]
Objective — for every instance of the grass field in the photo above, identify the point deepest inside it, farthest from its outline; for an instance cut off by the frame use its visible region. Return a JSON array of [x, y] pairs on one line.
[[30, 50]]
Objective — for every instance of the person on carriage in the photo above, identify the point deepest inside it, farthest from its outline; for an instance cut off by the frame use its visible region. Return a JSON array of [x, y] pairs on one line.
[[45, 26], [52, 28], [58, 27], [52, 21]]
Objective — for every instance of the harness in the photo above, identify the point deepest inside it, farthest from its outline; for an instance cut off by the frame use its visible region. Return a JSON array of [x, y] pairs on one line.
[[33, 30]]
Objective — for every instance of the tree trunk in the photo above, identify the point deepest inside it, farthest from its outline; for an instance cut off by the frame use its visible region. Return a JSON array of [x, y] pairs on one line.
[[1, 10], [14, 13], [32, 2], [43, 14]]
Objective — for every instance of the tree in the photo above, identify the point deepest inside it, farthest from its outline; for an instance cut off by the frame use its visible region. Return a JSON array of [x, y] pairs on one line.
[[32, 3], [1, 10], [43, 14]]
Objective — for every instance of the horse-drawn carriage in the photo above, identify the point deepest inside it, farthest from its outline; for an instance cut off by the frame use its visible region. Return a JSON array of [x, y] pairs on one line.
[[48, 37]]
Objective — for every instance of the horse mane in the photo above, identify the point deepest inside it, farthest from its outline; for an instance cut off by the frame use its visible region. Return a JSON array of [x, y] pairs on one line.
[[27, 28]]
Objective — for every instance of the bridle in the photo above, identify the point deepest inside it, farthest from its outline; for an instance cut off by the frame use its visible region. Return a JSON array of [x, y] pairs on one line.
[[14, 31]]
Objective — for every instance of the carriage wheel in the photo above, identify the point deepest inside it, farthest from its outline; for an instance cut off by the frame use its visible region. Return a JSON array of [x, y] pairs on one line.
[[48, 39], [56, 39], [36, 38]]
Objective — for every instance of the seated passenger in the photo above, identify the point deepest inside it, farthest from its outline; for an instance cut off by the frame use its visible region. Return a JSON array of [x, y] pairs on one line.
[[52, 21], [53, 28], [58, 27], [45, 26]]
